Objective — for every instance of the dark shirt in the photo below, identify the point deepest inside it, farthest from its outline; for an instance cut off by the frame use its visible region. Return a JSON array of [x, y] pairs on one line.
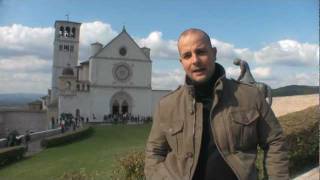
[[211, 165]]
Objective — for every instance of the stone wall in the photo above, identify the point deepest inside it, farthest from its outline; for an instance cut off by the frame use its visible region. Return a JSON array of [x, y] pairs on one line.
[[22, 120]]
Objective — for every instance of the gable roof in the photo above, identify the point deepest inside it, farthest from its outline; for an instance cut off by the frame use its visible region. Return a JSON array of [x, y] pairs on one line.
[[124, 35]]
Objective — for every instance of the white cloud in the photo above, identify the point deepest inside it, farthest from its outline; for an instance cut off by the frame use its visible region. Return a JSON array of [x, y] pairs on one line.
[[303, 78], [288, 52], [19, 37], [26, 53], [228, 52], [97, 31], [261, 72], [36, 82], [91, 32], [24, 64], [160, 48], [167, 49], [25, 74], [233, 72], [22, 40], [167, 79]]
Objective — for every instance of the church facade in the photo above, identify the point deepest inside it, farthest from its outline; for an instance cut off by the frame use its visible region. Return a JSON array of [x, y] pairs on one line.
[[115, 79]]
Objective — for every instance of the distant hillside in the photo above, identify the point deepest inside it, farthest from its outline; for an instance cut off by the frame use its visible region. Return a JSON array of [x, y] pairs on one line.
[[18, 99], [295, 90]]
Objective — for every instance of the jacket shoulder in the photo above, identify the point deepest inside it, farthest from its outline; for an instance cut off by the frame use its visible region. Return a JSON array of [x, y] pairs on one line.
[[171, 93], [171, 96], [243, 91], [243, 86]]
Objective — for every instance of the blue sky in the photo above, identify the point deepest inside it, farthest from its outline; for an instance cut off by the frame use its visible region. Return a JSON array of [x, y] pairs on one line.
[[247, 23], [277, 36]]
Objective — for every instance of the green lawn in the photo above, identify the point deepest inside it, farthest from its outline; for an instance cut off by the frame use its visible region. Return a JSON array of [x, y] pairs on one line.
[[95, 154]]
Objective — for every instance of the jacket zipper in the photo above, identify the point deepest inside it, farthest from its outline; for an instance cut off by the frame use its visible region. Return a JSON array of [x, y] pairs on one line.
[[214, 137]]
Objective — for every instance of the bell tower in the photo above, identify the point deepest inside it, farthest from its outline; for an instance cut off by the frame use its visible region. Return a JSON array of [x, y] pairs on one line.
[[65, 51]]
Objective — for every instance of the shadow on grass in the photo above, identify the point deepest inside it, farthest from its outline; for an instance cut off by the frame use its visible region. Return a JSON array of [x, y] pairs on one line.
[[13, 162]]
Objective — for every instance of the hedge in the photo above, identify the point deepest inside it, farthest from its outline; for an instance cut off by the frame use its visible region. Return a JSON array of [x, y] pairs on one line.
[[302, 132], [11, 154], [302, 135], [67, 137]]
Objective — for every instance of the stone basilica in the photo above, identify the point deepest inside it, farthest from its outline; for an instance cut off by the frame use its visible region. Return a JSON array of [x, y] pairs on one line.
[[116, 78]]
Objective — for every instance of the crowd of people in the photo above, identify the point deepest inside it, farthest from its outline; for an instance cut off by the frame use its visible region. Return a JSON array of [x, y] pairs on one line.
[[126, 118], [67, 121]]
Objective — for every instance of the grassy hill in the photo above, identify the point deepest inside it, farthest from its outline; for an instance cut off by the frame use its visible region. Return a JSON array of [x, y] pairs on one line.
[[95, 154], [295, 90]]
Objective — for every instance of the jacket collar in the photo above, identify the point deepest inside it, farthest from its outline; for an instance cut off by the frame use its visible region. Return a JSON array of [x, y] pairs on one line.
[[218, 86]]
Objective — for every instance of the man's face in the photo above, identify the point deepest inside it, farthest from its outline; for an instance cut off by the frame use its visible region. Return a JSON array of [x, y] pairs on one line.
[[197, 56]]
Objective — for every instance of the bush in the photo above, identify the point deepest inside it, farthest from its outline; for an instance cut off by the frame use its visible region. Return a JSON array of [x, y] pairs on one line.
[[11, 154], [300, 128], [129, 167], [66, 138], [302, 135], [302, 131], [82, 174]]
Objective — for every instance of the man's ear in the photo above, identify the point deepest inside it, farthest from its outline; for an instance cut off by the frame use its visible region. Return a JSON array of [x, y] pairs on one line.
[[214, 51]]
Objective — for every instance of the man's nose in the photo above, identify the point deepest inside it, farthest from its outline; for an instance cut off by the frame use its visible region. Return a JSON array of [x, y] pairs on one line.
[[195, 59]]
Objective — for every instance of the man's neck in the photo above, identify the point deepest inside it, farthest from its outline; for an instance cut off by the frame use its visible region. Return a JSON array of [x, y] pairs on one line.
[[204, 89]]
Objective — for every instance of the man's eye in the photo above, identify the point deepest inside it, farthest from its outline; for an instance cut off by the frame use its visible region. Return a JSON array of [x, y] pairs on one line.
[[186, 56], [201, 52]]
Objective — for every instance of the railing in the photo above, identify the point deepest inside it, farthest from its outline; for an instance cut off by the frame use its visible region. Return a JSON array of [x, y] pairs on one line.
[[34, 136]]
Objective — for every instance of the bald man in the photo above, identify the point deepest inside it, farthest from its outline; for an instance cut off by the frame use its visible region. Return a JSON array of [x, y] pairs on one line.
[[209, 128]]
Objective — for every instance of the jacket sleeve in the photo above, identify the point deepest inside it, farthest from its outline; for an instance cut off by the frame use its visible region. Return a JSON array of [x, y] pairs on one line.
[[156, 150], [272, 141]]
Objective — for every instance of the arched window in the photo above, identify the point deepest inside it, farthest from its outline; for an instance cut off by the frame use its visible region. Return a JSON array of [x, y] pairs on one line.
[[67, 34], [61, 31], [73, 32]]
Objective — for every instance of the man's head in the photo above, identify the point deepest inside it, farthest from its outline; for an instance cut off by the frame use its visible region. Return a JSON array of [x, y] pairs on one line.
[[197, 56]]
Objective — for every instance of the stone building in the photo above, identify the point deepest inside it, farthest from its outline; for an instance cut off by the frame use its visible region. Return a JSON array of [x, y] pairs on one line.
[[115, 79]]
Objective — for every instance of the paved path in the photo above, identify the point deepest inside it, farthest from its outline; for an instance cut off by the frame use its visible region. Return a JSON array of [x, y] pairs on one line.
[[287, 104], [310, 175], [34, 147]]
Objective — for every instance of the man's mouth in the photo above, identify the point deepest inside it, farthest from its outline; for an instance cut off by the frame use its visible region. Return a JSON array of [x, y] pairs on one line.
[[198, 70]]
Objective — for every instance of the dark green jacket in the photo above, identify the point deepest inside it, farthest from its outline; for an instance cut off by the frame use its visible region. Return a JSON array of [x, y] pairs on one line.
[[241, 120]]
